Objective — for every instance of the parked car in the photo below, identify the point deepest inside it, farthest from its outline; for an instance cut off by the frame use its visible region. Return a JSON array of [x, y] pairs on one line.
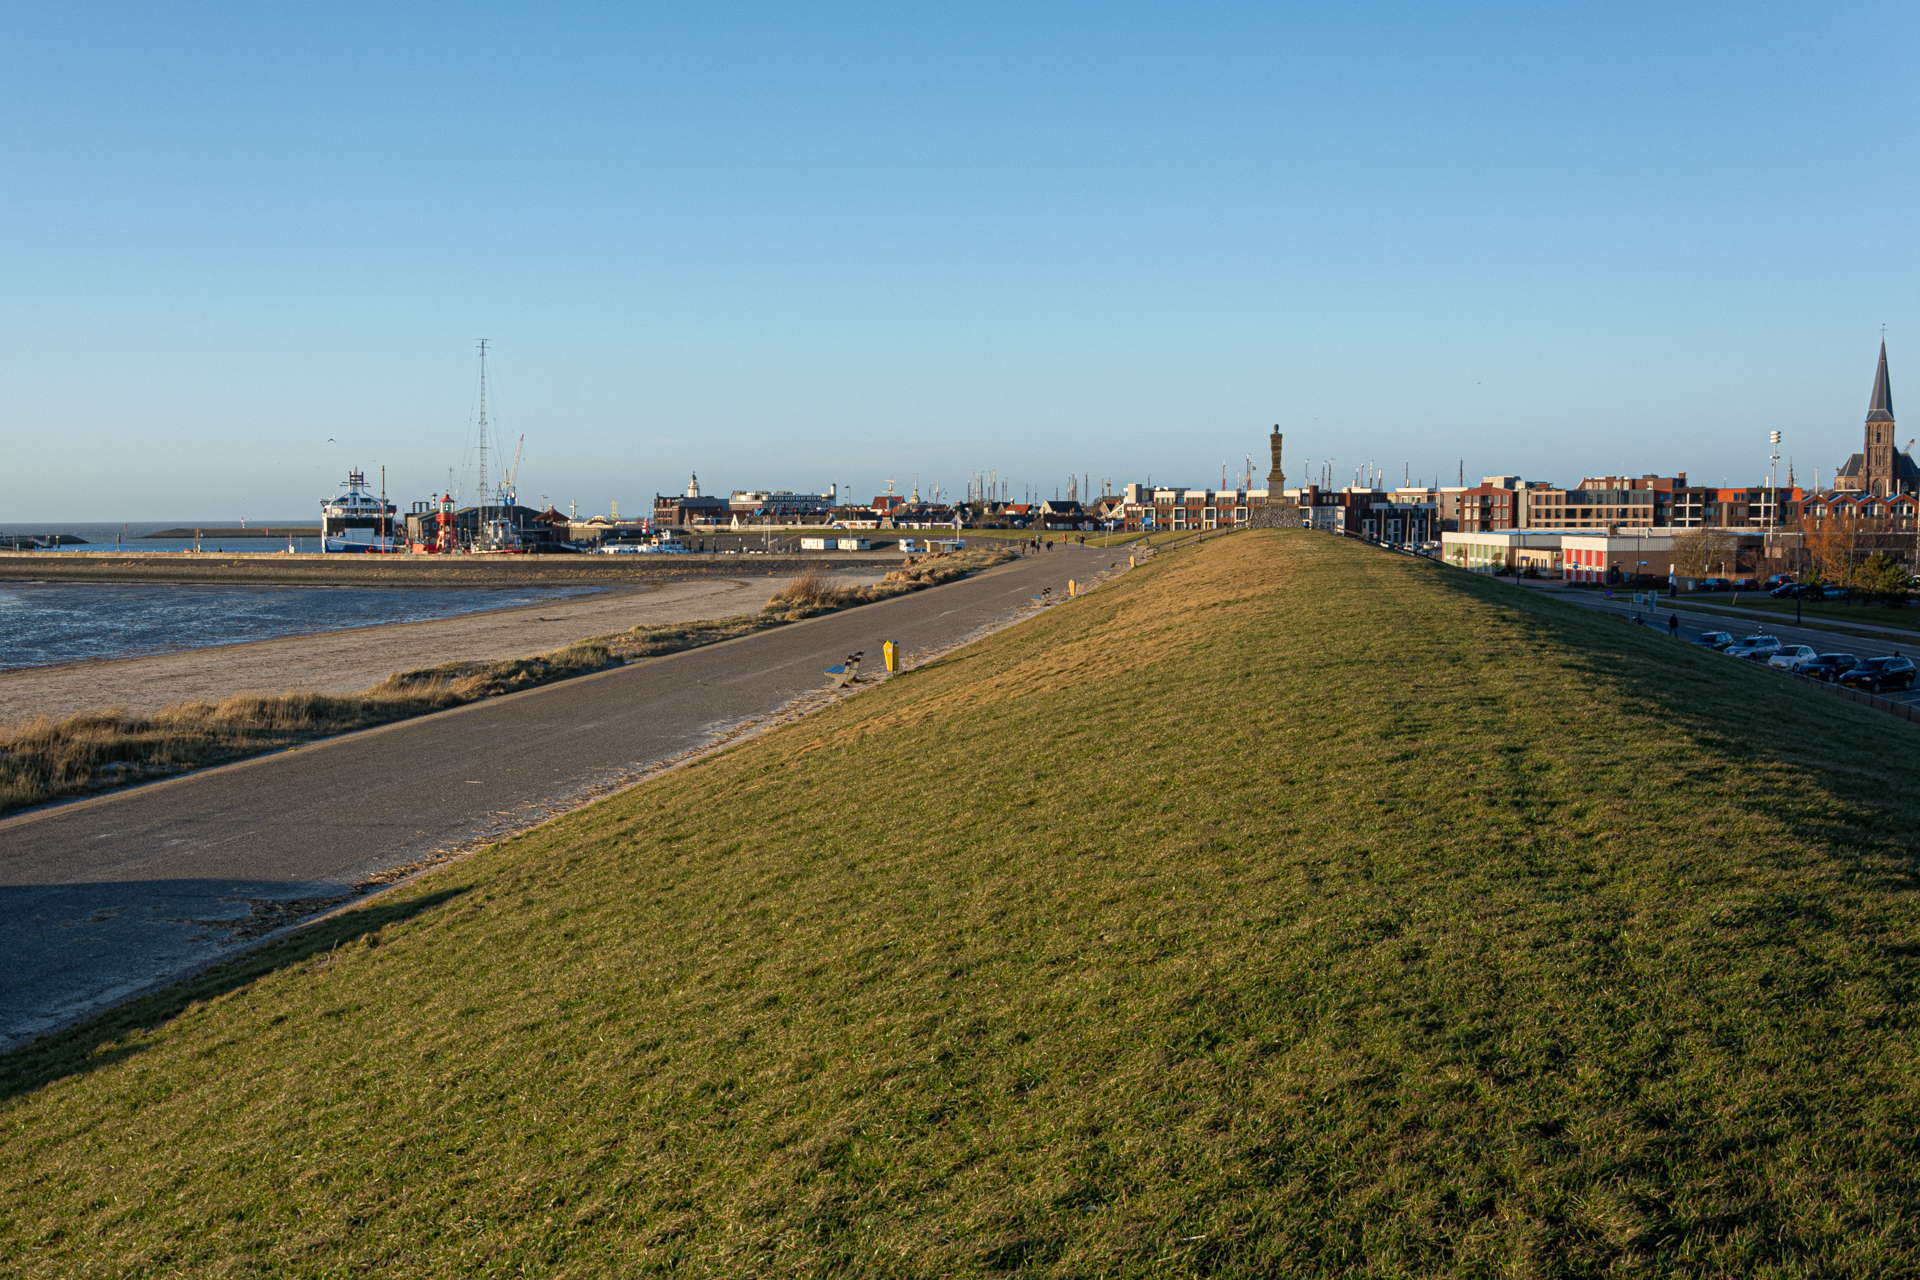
[[1829, 666], [1875, 674], [1715, 639], [1753, 647], [1711, 584], [1791, 656], [1779, 579], [1746, 584], [1788, 590], [1834, 593]]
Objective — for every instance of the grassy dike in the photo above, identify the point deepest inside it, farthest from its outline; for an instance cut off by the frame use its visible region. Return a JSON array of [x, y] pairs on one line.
[[1282, 908]]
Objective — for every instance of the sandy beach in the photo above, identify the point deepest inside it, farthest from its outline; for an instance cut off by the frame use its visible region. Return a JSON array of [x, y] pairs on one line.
[[346, 661]]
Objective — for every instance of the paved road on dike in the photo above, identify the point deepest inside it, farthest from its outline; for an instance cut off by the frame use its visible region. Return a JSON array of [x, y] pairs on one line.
[[107, 897]]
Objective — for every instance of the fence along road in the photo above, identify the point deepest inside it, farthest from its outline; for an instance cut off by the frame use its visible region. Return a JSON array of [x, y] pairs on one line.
[[108, 897]]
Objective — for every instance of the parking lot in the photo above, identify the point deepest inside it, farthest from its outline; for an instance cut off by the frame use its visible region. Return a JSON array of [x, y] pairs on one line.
[[1696, 622]]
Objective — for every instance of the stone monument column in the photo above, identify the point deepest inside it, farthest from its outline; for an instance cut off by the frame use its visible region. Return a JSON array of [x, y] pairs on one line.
[[1281, 512]]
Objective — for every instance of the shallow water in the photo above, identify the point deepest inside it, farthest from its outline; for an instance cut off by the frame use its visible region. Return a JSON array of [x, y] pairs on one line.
[[47, 622], [130, 536]]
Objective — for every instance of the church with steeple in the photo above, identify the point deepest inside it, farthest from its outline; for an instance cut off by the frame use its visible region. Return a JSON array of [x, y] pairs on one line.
[[1881, 469]]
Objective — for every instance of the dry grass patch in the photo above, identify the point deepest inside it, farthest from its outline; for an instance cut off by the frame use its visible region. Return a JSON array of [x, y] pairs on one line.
[[808, 594], [813, 594]]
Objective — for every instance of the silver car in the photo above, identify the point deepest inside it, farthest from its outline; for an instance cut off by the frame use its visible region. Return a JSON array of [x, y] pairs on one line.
[[1793, 656], [1753, 647]]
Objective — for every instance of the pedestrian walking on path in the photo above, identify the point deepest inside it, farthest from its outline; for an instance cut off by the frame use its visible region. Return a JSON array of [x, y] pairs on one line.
[[1673, 624]]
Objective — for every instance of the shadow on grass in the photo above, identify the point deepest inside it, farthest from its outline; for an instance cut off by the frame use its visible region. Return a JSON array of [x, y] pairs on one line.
[[1737, 709], [98, 1043]]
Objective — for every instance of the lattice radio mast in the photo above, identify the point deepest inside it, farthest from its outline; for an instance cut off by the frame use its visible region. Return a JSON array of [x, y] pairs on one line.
[[484, 429]]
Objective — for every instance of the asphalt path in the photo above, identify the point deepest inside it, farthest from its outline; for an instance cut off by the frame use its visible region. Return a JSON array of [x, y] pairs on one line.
[[105, 898], [1695, 623]]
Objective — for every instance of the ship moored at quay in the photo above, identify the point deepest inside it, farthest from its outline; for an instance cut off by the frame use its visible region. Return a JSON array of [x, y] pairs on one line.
[[358, 520]]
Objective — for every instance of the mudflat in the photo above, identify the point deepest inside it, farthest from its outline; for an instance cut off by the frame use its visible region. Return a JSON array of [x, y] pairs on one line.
[[346, 661]]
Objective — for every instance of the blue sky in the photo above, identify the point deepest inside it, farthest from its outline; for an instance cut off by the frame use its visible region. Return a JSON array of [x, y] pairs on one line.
[[783, 246]]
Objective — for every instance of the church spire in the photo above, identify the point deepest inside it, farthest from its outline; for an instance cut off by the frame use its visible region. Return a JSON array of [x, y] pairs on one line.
[[1881, 408]]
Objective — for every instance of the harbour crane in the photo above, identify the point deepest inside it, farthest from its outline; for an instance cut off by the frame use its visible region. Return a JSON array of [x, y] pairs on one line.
[[513, 476]]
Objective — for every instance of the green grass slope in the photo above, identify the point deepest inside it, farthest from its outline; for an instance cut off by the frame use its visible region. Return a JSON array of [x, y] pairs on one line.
[[1284, 908]]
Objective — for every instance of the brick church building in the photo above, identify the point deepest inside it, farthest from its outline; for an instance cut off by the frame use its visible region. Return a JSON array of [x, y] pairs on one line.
[[1882, 469]]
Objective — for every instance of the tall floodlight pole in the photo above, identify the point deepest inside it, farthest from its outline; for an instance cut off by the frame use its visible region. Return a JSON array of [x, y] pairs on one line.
[[1773, 494]]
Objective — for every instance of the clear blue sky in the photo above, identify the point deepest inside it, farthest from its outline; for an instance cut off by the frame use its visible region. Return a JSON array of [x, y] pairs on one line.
[[786, 244]]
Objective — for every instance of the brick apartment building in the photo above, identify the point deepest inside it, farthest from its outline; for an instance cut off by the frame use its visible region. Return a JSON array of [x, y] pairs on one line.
[[1487, 507], [1600, 503], [1144, 508]]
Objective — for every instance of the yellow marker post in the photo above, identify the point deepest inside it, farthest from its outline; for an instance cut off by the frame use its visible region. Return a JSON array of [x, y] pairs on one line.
[[1073, 588], [891, 652]]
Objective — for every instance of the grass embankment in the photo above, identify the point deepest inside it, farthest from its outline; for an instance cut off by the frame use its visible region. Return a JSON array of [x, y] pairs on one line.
[[46, 759], [1283, 908]]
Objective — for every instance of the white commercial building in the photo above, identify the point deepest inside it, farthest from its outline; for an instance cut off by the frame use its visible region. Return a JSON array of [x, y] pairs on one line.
[[1503, 551]]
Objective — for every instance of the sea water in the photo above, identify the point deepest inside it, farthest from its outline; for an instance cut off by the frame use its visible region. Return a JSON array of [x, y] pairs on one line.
[[132, 536], [47, 622]]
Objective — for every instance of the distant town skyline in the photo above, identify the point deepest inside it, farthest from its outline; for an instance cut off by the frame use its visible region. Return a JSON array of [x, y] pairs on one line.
[[247, 250], [1303, 469]]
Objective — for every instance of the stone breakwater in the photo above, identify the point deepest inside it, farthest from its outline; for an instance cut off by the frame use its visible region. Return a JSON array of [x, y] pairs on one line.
[[209, 534]]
